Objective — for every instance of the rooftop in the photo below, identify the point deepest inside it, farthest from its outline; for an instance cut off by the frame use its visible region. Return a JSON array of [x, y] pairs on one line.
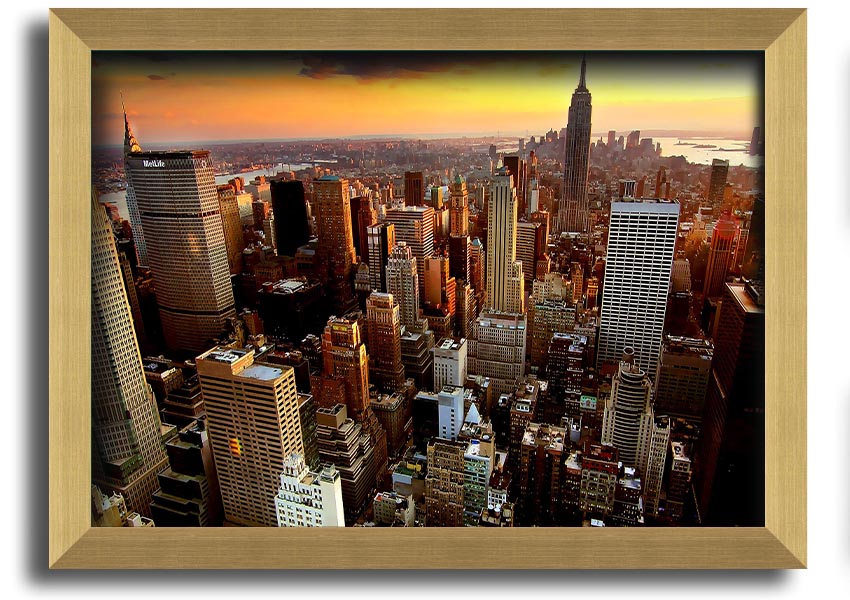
[[687, 345], [224, 355], [261, 372], [451, 344]]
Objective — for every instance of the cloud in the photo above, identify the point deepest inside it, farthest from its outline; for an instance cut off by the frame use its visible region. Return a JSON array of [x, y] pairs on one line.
[[369, 66], [157, 78]]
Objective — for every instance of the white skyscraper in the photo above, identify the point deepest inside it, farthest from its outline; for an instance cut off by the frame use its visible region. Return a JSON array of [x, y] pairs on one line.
[[641, 242], [628, 420], [449, 363], [308, 499], [450, 411], [505, 291]]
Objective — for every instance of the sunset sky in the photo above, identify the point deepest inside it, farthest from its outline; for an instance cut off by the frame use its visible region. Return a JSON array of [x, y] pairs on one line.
[[192, 96]]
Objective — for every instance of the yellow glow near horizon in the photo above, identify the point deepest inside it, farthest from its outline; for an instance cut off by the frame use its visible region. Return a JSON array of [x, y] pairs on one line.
[[258, 98]]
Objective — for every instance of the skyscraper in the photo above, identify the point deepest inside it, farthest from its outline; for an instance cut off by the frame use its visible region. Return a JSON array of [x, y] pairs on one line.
[[403, 284], [335, 252], [719, 258], [131, 145], [518, 169], [292, 226], [345, 359], [414, 225], [309, 499], [384, 321], [628, 412], [232, 224], [497, 350], [573, 212], [460, 257], [177, 203], [729, 463], [459, 211], [252, 415], [505, 291], [530, 245], [414, 188], [641, 241], [449, 363], [381, 240], [127, 449], [444, 497], [717, 184], [682, 379], [342, 443]]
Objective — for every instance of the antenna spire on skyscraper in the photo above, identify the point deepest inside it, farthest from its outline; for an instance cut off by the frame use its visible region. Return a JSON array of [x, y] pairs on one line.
[[581, 82], [130, 142]]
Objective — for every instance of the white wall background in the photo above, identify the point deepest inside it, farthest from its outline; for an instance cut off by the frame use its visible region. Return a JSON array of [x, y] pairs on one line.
[[23, 309]]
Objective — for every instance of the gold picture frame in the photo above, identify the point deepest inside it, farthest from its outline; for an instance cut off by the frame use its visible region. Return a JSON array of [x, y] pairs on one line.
[[74, 33]]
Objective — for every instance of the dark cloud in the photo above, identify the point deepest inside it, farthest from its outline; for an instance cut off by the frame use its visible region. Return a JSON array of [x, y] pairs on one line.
[[157, 78], [376, 65]]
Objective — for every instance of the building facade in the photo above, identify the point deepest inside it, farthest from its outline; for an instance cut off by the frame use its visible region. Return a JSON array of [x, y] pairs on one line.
[[127, 448], [309, 499], [505, 291], [175, 196], [335, 252], [573, 210], [254, 426], [384, 323], [641, 243]]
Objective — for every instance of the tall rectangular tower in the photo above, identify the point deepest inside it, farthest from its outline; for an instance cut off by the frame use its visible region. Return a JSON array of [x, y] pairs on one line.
[[573, 211], [459, 211], [254, 426], [292, 226], [176, 197], [719, 257], [232, 224], [641, 242], [414, 188], [502, 294], [335, 251], [384, 321], [381, 241], [729, 462], [414, 225], [717, 184]]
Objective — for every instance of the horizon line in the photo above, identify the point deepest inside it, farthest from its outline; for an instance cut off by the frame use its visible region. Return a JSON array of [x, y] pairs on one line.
[[681, 133]]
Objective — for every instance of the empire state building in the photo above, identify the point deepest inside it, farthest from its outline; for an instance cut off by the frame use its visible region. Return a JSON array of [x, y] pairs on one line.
[[573, 211]]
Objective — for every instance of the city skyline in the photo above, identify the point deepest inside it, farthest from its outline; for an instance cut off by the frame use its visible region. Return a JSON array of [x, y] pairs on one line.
[[193, 97], [447, 334]]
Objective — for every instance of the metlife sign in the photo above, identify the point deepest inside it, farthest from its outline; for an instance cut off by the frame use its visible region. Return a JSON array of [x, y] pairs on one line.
[[156, 163]]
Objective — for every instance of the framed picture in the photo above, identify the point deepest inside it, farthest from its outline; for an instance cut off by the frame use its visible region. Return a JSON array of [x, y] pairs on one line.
[[779, 34]]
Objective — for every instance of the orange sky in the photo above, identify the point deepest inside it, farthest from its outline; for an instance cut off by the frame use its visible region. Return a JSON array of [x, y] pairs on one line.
[[183, 97]]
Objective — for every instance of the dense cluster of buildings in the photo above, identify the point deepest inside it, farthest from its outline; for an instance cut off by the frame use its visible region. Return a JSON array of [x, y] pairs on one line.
[[518, 345]]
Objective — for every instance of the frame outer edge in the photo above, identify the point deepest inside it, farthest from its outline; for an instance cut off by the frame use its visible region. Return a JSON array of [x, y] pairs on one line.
[[785, 241], [73, 544], [69, 427]]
